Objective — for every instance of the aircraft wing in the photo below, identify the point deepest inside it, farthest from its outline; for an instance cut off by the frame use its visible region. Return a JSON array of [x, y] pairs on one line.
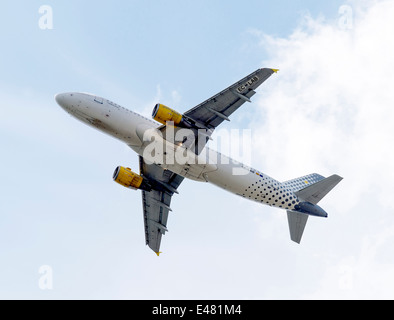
[[156, 203], [211, 113]]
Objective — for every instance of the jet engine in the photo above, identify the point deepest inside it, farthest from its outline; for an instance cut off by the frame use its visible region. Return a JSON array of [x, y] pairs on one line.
[[131, 180], [162, 114]]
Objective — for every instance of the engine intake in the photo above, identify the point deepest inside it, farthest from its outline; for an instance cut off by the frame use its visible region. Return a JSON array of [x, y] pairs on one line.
[[129, 179]]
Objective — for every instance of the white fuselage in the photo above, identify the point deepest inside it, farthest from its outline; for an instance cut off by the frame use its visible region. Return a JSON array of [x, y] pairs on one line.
[[132, 129]]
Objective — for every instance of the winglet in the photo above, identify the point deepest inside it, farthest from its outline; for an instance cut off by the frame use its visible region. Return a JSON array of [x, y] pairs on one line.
[[275, 70], [158, 253]]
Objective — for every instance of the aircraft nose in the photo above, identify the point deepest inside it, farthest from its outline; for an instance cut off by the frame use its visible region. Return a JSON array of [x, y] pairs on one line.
[[60, 99], [65, 100]]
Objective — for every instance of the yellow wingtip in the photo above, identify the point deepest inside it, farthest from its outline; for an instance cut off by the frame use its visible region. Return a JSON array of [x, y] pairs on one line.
[[275, 70], [158, 253]]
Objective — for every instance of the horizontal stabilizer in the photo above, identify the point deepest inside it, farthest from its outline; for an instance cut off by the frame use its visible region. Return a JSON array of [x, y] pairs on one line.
[[317, 191], [297, 222]]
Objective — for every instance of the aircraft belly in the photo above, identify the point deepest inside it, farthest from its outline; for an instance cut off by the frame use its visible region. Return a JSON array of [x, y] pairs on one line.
[[225, 178], [254, 186], [156, 150], [195, 172], [107, 118]]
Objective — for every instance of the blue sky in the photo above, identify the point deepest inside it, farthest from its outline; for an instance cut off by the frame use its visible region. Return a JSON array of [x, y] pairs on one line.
[[60, 207], [136, 45]]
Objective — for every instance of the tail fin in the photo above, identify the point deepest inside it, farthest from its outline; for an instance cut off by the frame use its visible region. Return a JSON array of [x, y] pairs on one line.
[[310, 195]]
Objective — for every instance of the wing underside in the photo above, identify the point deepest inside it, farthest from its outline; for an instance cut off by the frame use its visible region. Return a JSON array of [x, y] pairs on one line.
[[156, 203], [212, 112], [208, 115]]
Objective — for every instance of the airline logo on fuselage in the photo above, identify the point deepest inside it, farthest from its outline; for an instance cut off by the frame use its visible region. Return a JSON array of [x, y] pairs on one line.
[[247, 84]]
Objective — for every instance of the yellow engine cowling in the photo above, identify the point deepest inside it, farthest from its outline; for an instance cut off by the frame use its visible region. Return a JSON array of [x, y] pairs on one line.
[[129, 179], [162, 114]]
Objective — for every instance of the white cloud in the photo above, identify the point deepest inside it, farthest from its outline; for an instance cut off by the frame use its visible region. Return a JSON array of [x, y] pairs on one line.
[[330, 110]]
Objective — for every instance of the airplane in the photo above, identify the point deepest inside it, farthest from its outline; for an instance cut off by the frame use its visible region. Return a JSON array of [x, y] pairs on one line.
[[172, 147]]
